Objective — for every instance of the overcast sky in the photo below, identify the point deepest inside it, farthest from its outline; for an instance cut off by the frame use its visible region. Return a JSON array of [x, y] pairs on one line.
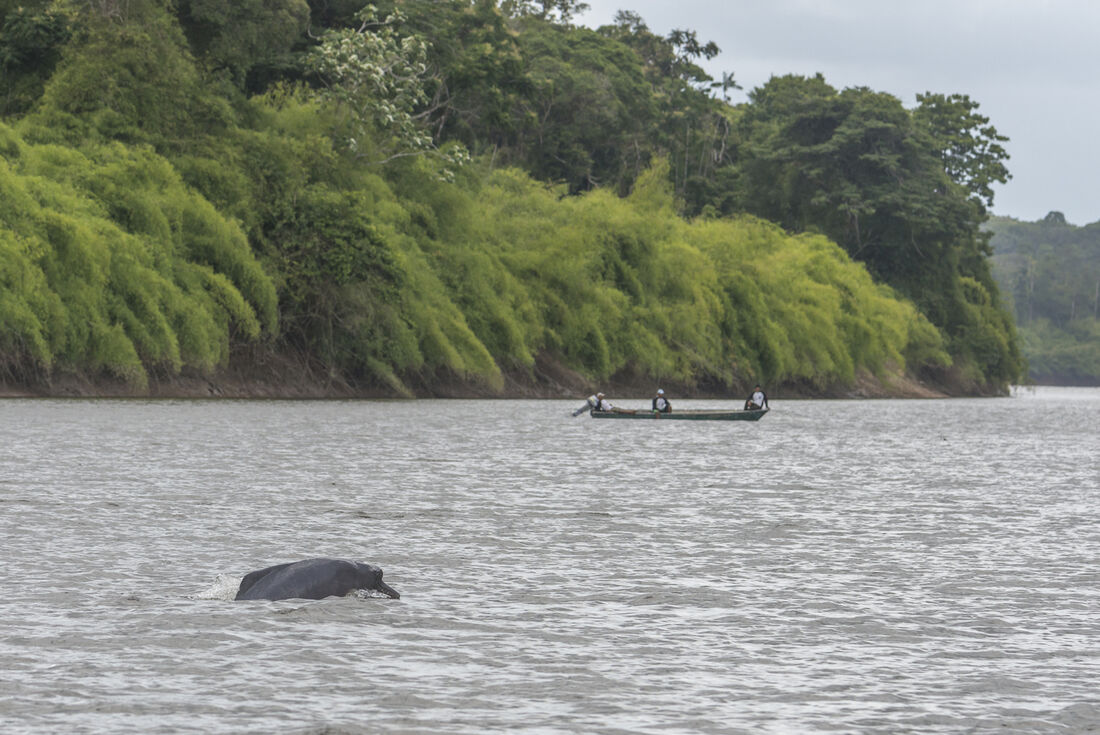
[[1032, 65]]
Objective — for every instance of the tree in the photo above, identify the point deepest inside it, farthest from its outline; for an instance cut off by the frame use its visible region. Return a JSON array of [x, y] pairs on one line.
[[477, 85], [560, 11], [31, 39], [968, 145], [239, 35], [688, 126], [590, 110], [128, 75], [378, 77]]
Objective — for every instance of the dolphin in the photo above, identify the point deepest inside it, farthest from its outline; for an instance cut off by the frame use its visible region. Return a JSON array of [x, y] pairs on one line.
[[312, 579]]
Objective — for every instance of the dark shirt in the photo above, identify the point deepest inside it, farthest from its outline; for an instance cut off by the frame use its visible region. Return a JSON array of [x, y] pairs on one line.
[[763, 402]]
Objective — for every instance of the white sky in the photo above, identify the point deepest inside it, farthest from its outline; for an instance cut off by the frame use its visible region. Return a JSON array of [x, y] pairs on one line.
[[1032, 65]]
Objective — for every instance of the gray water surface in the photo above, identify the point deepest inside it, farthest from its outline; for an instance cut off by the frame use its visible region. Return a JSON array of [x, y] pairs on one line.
[[838, 567]]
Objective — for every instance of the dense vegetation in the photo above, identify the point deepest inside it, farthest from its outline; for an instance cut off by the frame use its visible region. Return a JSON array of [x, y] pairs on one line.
[[437, 189], [1051, 271]]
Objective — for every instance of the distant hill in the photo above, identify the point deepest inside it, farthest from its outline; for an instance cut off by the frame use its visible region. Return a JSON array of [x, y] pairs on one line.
[[1050, 271]]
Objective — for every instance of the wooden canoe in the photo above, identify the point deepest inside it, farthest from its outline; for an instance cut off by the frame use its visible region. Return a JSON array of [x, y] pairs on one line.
[[685, 415]]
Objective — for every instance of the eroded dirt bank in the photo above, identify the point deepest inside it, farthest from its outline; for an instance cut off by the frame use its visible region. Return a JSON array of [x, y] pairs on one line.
[[282, 378]]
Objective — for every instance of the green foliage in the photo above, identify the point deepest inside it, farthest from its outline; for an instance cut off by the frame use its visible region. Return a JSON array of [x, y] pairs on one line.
[[444, 222], [1068, 355], [1051, 271], [376, 76], [127, 75], [588, 110], [324, 247], [111, 266], [684, 123], [31, 316], [561, 11], [969, 146], [156, 217], [477, 84], [240, 35], [799, 309], [902, 192], [31, 38], [984, 337], [626, 284], [358, 292], [1049, 268]]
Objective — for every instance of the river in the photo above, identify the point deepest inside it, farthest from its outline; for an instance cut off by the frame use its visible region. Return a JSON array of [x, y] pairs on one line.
[[890, 566]]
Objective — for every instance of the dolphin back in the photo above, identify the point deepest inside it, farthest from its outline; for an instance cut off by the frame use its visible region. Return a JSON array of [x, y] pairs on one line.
[[252, 578], [312, 579]]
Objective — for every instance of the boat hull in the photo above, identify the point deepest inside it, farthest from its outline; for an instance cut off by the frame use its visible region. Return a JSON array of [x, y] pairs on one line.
[[696, 415]]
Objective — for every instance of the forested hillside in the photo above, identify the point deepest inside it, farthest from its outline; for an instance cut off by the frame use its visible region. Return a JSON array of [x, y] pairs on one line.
[[1050, 270], [426, 191]]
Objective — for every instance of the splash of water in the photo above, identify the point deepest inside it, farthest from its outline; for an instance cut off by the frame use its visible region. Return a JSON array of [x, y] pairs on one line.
[[225, 587]]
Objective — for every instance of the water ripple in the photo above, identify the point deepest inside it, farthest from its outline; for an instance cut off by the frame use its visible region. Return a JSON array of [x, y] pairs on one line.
[[872, 567]]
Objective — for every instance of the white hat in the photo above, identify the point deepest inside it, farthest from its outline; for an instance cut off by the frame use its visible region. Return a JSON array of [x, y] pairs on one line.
[[660, 392]]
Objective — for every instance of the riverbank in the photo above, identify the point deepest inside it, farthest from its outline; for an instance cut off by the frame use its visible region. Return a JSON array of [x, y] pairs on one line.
[[278, 377]]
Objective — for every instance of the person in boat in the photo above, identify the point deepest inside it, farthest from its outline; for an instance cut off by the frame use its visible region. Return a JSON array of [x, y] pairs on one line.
[[758, 399], [590, 404], [660, 403], [602, 404]]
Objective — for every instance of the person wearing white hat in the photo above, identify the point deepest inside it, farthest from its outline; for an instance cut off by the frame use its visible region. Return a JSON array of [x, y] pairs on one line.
[[602, 404], [660, 403]]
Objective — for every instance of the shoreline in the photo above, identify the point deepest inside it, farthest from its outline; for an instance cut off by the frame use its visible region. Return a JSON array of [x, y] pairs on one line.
[[266, 374], [546, 379]]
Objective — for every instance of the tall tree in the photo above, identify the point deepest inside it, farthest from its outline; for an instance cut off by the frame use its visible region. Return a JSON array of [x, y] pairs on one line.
[[968, 145], [31, 38], [476, 84], [689, 127], [590, 110], [376, 76], [240, 35], [128, 75]]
